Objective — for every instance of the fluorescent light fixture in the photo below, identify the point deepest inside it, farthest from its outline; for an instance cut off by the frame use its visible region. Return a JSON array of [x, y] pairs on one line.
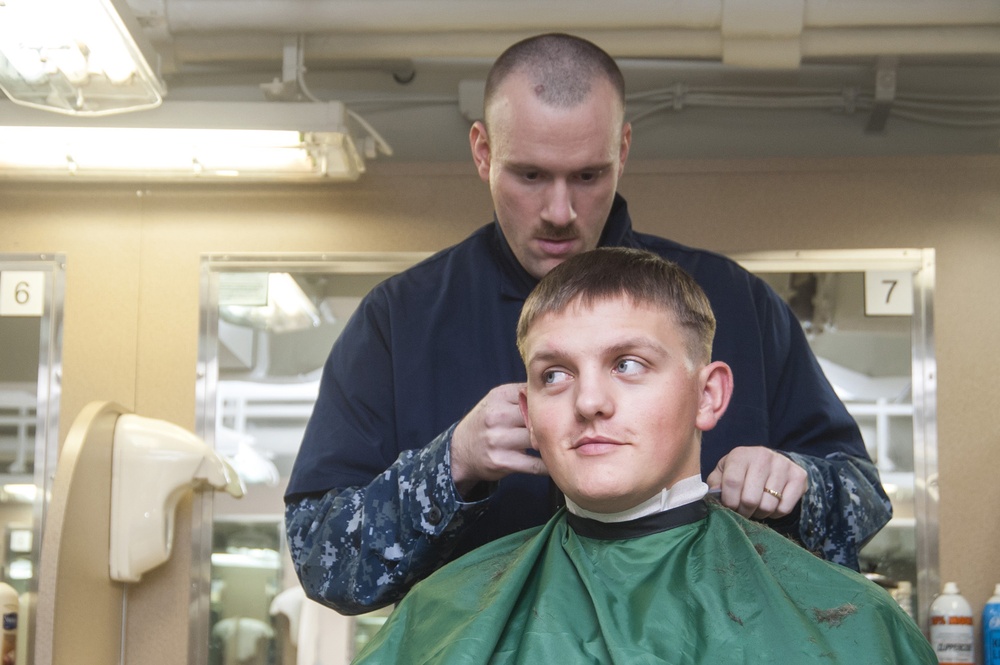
[[206, 153], [20, 492], [20, 569], [287, 308], [75, 57], [265, 141]]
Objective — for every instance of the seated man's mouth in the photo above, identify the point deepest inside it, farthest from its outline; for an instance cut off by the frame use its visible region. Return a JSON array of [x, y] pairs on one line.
[[596, 445]]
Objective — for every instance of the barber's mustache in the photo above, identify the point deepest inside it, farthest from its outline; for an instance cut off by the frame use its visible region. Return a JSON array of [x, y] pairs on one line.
[[550, 231]]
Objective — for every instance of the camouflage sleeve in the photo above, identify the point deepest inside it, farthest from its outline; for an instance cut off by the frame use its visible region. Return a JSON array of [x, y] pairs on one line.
[[359, 549], [843, 508]]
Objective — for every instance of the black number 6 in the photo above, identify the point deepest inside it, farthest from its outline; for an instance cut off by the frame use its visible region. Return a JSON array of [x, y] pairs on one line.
[[21, 294]]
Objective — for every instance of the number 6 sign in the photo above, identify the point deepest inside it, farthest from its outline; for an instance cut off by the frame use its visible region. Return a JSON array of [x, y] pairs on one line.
[[22, 293]]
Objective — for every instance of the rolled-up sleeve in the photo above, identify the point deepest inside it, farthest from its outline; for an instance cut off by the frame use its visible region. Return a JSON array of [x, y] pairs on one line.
[[357, 549], [844, 507]]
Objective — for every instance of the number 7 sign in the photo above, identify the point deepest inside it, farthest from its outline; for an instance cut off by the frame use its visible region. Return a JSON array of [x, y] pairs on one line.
[[888, 293]]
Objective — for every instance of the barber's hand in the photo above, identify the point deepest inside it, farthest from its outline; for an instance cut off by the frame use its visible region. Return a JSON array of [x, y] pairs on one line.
[[750, 477], [491, 441]]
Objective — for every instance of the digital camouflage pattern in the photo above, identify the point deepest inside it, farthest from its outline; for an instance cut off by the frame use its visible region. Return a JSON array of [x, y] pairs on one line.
[[359, 549]]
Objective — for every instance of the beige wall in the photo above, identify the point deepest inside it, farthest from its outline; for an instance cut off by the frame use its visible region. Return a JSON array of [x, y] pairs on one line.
[[132, 288]]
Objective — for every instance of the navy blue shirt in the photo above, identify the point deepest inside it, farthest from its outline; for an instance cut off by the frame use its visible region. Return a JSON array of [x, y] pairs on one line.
[[426, 345]]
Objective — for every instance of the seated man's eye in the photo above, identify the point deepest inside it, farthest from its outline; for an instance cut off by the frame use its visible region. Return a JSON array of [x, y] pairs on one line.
[[554, 376], [627, 366]]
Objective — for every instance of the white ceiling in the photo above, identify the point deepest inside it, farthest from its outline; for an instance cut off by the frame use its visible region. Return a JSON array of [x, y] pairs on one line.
[[698, 71], [706, 78], [399, 64]]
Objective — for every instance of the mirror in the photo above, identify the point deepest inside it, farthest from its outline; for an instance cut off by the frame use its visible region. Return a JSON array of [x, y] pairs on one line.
[[31, 305], [868, 318], [267, 327]]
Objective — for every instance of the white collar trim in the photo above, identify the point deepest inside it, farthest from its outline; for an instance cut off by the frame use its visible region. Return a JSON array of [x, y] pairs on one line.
[[687, 490]]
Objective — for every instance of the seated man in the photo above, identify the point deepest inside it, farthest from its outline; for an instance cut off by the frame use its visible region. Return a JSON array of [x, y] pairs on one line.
[[640, 567]]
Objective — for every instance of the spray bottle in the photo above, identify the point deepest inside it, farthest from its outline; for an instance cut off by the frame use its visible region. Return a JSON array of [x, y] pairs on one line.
[[991, 629], [951, 628]]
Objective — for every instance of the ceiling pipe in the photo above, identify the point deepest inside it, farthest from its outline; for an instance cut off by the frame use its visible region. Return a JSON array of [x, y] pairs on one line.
[[744, 33], [394, 16], [665, 44]]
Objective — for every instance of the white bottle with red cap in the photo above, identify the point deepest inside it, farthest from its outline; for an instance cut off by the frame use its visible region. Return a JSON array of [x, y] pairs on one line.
[[951, 628]]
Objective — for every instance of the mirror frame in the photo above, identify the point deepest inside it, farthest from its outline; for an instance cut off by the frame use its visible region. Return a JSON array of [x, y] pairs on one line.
[[207, 387], [47, 401], [923, 365]]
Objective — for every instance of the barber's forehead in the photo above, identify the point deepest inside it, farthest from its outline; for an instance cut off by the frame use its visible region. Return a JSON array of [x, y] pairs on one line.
[[524, 80]]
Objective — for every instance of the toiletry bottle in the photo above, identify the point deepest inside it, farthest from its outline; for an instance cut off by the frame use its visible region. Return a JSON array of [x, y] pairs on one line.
[[991, 629], [951, 628], [904, 597], [8, 617]]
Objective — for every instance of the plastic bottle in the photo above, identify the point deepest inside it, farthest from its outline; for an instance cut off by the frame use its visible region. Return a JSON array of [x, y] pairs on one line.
[[951, 628], [8, 609], [904, 597], [991, 629]]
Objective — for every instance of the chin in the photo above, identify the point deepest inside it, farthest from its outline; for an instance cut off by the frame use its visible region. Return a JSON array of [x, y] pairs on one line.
[[608, 501]]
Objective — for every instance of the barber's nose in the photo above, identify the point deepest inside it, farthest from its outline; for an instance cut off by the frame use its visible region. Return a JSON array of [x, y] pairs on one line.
[[559, 204], [594, 398]]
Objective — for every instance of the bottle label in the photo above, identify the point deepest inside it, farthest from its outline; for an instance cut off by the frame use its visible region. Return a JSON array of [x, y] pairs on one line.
[[8, 642], [992, 654], [952, 639], [991, 634]]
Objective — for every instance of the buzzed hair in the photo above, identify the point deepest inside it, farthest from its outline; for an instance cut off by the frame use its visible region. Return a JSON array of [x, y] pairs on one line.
[[610, 273], [562, 69]]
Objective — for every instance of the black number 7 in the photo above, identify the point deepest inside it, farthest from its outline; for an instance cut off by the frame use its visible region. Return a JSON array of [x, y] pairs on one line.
[[892, 284]]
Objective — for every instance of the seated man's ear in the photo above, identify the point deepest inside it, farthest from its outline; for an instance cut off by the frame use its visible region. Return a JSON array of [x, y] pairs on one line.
[[522, 401], [716, 389]]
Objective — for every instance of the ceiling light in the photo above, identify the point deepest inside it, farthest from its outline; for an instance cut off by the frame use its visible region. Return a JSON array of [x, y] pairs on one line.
[[185, 141], [75, 57]]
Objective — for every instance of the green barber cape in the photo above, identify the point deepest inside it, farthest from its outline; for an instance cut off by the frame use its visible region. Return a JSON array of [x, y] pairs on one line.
[[694, 584]]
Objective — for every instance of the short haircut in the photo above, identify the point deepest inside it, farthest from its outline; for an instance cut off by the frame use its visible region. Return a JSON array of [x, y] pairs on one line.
[[562, 68], [639, 276]]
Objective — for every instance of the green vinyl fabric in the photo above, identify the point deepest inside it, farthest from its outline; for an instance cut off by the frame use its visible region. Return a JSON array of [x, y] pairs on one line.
[[720, 589]]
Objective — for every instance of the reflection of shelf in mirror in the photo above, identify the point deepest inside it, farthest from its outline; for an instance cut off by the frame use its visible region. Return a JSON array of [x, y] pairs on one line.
[[268, 559], [273, 415], [899, 486], [18, 404], [894, 542], [901, 523], [242, 401], [881, 410]]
